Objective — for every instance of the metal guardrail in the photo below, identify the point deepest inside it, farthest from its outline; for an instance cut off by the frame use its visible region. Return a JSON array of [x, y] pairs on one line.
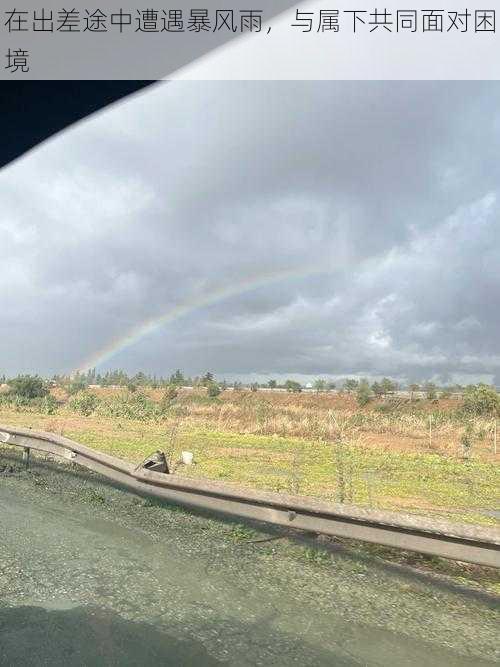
[[473, 544]]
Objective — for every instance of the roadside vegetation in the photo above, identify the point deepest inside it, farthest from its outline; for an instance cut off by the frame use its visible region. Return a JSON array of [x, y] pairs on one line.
[[423, 451]]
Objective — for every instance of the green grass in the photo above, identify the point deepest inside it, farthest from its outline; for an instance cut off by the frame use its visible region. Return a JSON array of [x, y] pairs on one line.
[[424, 483]]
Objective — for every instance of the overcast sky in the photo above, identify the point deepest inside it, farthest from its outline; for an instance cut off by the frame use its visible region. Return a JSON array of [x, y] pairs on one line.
[[377, 201]]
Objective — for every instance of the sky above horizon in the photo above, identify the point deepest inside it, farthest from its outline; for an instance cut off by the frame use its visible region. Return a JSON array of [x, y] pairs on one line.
[[261, 229]]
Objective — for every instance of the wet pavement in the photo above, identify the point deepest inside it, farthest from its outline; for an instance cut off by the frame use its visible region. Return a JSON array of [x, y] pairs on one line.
[[92, 575]]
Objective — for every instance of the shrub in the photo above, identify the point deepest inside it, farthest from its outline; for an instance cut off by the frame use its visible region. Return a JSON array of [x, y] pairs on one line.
[[293, 387], [350, 384], [430, 391], [388, 386], [384, 408], [22, 404], [213, 390], [169, 395], [193, 399], [84, 403], [29, 386], [207, 379], [363, 393], [467, 439], [481, 400], [131, 406], [76, 385], [48, 404]]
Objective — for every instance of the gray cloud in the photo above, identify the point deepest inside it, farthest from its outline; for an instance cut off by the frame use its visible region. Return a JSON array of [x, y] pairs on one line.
[[391, 189]]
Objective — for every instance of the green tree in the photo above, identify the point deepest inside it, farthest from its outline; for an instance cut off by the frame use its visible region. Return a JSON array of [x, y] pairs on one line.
[[388, 386], [29, 386], [272, 384], [350, 384], [139, 379], [319, 385], [363, 393], [293, 387], [207, 379], [177, 378]]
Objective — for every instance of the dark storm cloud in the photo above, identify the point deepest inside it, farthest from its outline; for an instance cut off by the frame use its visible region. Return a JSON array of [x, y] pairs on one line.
[[392, 189]]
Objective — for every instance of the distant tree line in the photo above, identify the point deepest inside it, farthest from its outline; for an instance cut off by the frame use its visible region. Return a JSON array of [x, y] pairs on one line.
[[477, 399]]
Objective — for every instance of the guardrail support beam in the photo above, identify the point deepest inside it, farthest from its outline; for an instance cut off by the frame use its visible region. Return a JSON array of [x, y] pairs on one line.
[[26, 456]]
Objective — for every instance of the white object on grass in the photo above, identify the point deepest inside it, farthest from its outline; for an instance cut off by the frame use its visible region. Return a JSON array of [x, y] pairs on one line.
[[187, 458]]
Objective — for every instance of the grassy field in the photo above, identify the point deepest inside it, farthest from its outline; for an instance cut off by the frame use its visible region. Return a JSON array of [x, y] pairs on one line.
[[410, 458]]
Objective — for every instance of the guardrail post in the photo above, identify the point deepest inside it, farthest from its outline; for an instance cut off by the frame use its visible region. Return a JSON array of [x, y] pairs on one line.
[[26, 456]]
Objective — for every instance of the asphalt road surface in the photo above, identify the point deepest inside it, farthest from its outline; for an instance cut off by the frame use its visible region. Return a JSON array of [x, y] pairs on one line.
[[92, 575]]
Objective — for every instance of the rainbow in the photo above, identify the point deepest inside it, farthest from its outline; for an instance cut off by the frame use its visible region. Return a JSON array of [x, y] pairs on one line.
[[144, 329]]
